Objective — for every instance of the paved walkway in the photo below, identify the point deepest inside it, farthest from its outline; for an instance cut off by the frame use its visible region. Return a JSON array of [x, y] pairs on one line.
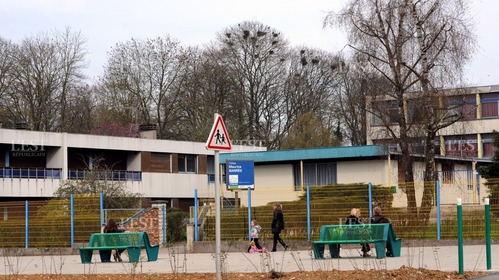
[[444, 258]]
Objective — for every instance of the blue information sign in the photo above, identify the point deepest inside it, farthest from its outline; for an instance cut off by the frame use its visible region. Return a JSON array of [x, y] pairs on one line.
[[240, 174]]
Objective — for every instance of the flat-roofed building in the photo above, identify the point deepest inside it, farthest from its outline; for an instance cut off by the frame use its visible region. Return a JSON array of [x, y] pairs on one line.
[[33, 164]]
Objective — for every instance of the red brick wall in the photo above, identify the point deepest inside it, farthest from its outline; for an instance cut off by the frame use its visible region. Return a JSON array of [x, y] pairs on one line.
[[148, 222]]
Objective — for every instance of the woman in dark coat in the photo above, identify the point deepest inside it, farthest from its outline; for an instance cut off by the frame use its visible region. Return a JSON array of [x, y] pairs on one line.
[[112, 227], [278, 226]]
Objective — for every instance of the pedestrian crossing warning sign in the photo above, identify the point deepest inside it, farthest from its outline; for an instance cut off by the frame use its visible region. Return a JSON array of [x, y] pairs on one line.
[[218, 139]]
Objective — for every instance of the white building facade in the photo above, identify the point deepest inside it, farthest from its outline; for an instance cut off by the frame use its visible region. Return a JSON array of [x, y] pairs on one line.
[[33, 164]]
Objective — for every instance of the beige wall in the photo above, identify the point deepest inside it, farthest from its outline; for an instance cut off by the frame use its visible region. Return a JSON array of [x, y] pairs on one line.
[[365, 171], [471, 127], [458, 128], [272, 183]]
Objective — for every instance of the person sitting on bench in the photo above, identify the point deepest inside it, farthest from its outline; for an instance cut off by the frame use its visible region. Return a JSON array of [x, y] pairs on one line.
[[112, 227], [378, 218]]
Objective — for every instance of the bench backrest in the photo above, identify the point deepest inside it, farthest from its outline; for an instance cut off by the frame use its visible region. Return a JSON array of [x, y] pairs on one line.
[[354, 232], [132, 239]]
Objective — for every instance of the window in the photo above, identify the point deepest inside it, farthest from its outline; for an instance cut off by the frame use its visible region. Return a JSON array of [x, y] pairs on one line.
[[187, 163], [461, 146], [463, 106], [488, 145], [469, 177], [316, 174], [386, 112], [447, 175], [416, 111], [490, 104]]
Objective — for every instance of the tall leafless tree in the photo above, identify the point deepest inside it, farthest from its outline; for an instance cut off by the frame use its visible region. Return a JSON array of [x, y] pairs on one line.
[[7, 50], [418, 46], [254, 56], [208, 89], [47, 69], [312, 78], [141, 81]]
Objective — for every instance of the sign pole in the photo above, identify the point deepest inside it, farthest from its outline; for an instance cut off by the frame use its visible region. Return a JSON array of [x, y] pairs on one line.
[[218, 140], [217, 216]]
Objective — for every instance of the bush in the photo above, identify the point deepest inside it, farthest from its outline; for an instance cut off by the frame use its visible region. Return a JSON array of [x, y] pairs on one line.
[[176, 224]]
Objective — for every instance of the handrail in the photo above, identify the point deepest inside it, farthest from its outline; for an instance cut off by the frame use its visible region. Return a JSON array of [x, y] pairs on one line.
[[30, 173], [107, 175]]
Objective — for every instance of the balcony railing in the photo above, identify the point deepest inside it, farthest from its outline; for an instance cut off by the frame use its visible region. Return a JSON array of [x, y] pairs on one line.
[[30, 173], [49, 173], [107, 175], [211, 178]]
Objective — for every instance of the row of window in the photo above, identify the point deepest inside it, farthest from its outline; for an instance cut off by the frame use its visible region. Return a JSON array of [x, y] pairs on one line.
[[462, 146], [39, 173], [463, 107]]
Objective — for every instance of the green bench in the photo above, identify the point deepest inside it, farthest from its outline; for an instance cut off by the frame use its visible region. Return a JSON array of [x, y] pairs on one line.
[[133, 242], [379, 234]]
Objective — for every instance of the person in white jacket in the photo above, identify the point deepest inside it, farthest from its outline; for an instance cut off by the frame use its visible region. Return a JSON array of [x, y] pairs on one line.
[[255, 230]]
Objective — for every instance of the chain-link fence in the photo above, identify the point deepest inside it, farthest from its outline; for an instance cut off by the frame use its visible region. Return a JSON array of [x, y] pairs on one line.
[[332, 204], [51, 223]]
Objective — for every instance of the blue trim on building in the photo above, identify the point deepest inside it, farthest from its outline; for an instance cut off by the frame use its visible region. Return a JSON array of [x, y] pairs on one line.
[[309, 154]]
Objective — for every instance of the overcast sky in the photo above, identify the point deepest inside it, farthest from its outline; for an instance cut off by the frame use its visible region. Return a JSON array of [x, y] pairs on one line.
[[195, 22]]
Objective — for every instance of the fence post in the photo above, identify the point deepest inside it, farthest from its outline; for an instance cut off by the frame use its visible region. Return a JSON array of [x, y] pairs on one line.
[[72, 218], [26, 227], [487, 234], [196, 226], [437, 196], [370, 191], [101, 208], [249, 213], [460, 235], [309, 230]]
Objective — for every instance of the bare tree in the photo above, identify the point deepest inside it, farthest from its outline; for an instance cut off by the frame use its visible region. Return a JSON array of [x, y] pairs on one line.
[[309, 131], [80, 107], [46, 71], [254, 56], [418, 46], [71, 52], [207, 89], [7, 50], [141, 81], [312, 78], [350, 103]]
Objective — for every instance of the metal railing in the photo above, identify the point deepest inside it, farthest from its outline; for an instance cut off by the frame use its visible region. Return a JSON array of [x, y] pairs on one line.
[[30, 173]]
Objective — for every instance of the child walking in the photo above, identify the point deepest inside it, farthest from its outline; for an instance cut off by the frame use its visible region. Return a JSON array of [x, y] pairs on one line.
[[255, 230]]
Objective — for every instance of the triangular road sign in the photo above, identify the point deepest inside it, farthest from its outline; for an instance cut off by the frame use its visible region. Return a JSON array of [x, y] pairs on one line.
[[219, 138]]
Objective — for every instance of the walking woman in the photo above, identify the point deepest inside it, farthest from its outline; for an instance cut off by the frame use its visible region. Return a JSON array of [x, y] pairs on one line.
[[278, 226]]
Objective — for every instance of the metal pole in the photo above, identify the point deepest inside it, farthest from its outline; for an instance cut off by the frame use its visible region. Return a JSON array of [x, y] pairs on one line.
[[438, 209], [26, 227], [460, 235], [217, 216], [72, 210], [370, 191], [249, 213], [308, 213], [101, 208], [196, 226], [487, 234]]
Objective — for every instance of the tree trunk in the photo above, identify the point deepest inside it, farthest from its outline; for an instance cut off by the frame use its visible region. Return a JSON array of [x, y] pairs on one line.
[[429, 178]]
